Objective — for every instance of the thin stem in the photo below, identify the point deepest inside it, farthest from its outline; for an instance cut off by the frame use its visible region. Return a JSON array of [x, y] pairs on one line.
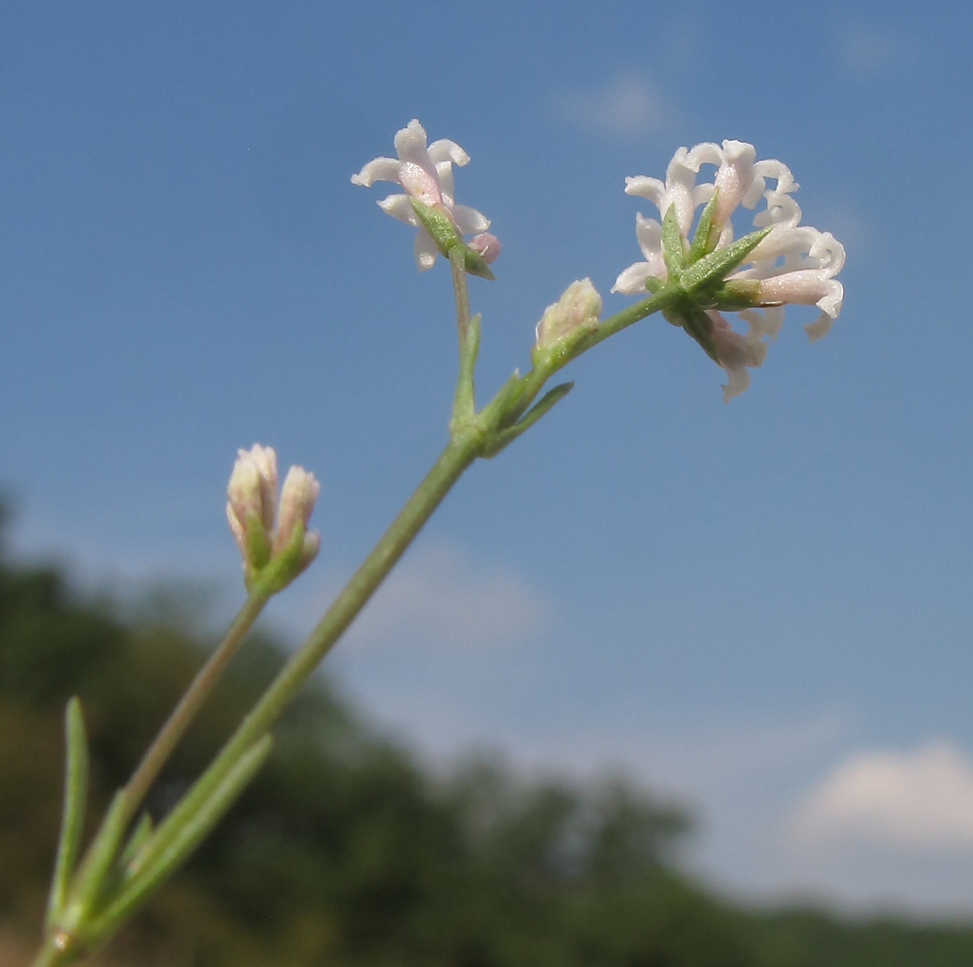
[[533, 382], [459, 453], [457, 265], [658, 301], [468, 337], [202, 685], [51, 955]]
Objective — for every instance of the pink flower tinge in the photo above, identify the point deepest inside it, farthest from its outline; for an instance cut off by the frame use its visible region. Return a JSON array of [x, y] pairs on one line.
[[794, 263], [426, 174]]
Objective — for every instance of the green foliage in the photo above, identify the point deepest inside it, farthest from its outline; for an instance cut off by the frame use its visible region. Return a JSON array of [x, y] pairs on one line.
[[345, 851]]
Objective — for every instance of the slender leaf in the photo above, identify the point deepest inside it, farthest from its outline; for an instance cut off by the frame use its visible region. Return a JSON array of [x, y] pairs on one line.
[[181, 842], [76, 768], [702, 244], [672, 242], [94, 871], [139, 837], [545, 403], [714, 267]]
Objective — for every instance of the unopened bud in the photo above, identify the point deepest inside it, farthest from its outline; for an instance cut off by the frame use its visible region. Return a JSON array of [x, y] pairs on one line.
[[252, 499], [487, 246], [297, 498], [570, 319], [280, 553]]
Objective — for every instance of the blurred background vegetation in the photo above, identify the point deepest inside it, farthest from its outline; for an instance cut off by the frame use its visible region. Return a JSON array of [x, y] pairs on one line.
[[349, 851]]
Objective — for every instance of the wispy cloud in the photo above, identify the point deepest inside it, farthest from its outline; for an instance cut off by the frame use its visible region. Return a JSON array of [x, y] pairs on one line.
[[440, 595], [628, 106], [920, 800], [866, 49]]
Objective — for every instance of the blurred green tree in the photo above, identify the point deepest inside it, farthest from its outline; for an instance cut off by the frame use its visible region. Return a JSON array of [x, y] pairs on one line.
[[346, 851]]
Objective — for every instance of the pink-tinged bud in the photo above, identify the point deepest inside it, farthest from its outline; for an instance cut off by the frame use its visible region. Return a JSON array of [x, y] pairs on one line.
[[297, 498], [309, 550], [487, 246], [251, 510], [252, 493], [574, 315]]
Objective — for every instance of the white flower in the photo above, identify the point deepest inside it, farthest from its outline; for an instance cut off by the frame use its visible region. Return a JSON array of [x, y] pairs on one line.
[[426, 174], [793, 264]]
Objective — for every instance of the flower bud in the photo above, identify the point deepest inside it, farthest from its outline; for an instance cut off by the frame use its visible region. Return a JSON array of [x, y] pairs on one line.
[[251, 499], [297, 500], [487, 246], [275, 554], [570, 319]]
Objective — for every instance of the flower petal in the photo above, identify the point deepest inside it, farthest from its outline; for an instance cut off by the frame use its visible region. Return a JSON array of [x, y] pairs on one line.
[[446, 150], [400, 207], [631, 281], [425, 250], [649, 188], [410, 144], [381, 169], [736, 352], [469, 220]]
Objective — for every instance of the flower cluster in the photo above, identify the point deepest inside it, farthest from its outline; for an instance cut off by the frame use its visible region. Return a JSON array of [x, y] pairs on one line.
[[251, 510], [792, 263], [426, 174]]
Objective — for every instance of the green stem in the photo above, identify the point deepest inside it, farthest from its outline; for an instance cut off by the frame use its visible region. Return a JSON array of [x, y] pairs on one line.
[[457, 456], [468, 337], [59, 947], [52, 955], [665, 298], [531, 383], [457, 266], [199, 690], [459, 453]]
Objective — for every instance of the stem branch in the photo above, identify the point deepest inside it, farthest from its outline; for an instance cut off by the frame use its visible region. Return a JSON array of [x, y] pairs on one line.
[[175, 727]]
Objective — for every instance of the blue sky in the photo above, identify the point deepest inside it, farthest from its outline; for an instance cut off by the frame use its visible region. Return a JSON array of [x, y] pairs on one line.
[[761, 609]]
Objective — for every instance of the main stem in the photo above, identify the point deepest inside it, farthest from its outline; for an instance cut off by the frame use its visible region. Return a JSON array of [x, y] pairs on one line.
[[459, 453]]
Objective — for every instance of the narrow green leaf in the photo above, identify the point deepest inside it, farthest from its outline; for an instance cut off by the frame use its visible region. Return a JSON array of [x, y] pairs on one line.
[[507, 404], [181, 842], [439, 226], [702, 244], [713, 268], [505, 437], [672, 240], [76, 767], [94, 872], [476, 264], [139, 837]]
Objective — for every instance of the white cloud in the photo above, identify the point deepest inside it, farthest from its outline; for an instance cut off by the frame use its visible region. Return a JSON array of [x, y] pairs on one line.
[[626, 107], [914, 801], [438, 594]]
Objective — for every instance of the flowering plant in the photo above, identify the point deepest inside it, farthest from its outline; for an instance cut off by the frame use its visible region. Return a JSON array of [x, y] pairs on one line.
[[788, 262], [694, 270]]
